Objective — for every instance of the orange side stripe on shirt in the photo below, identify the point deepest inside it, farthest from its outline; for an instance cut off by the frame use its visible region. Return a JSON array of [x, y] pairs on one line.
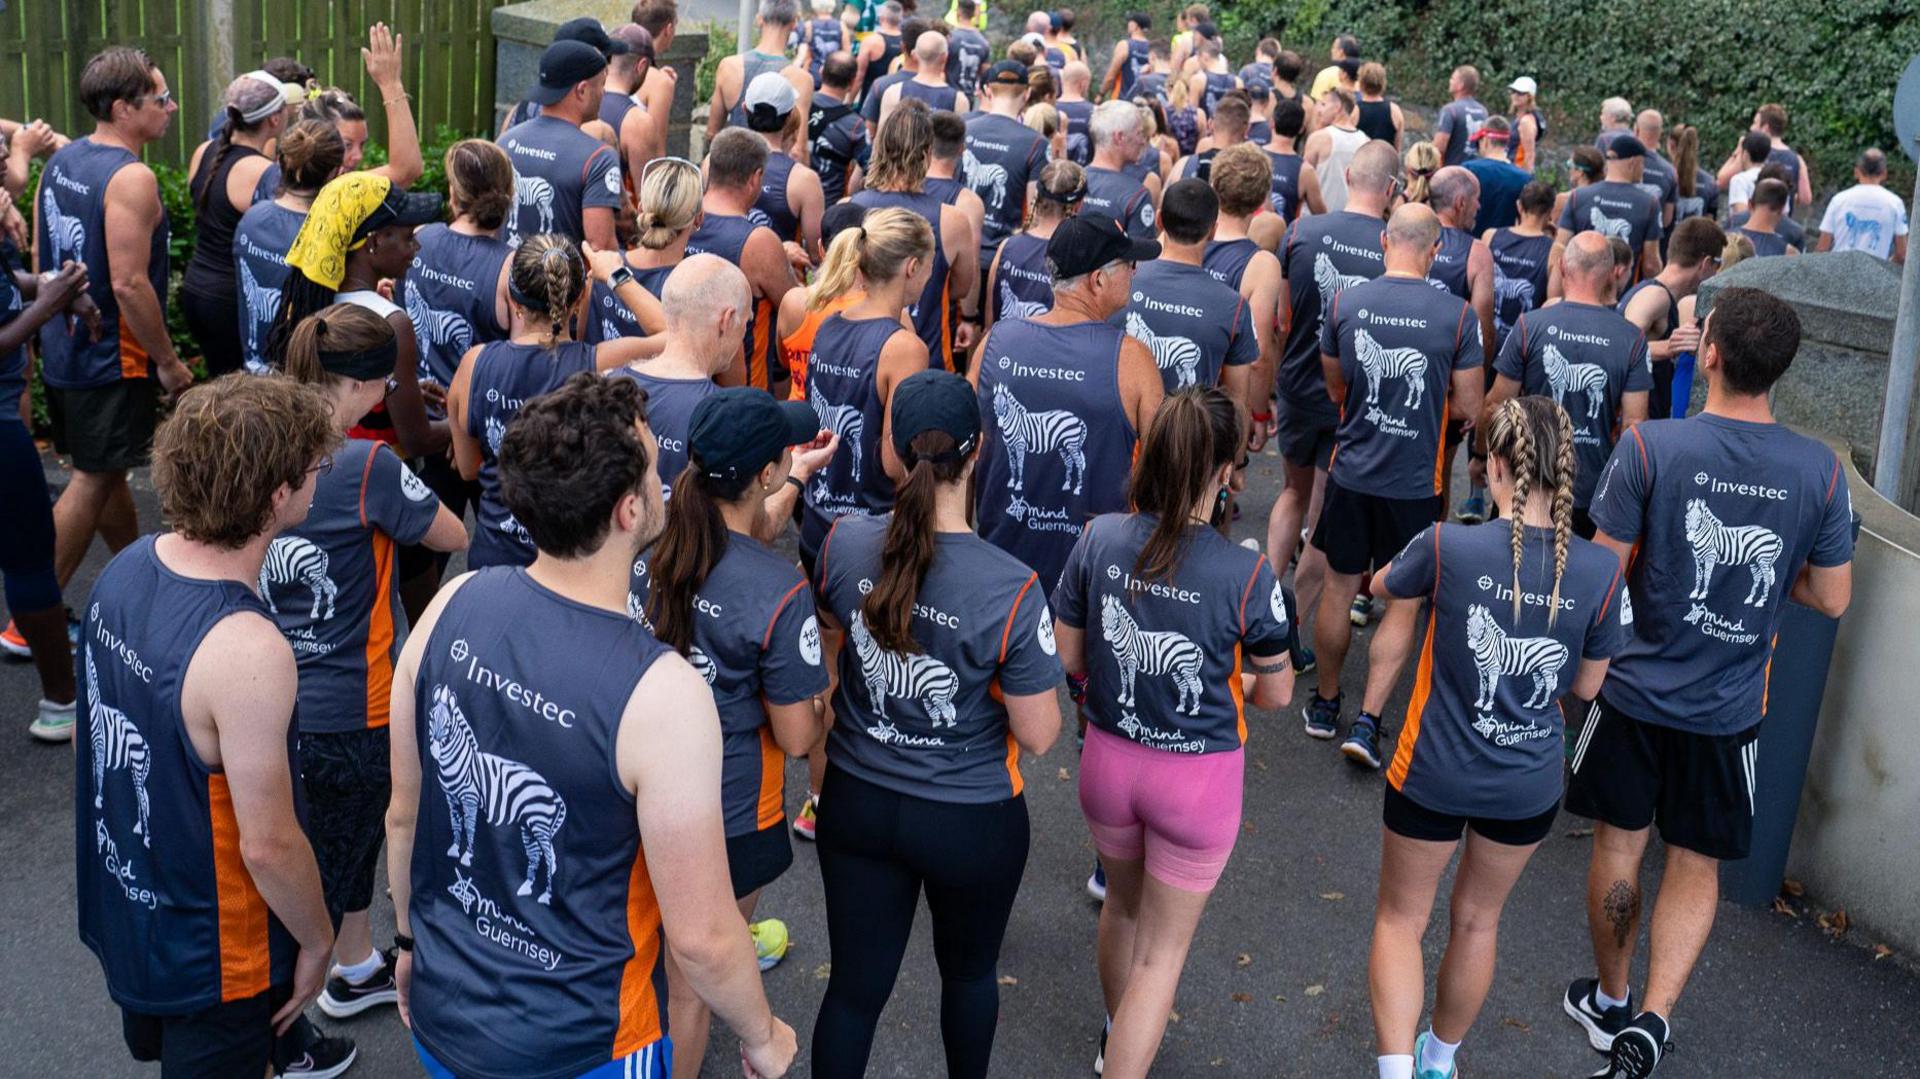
[[1239, 694], [1013, 765], [1006, 631], [757, 374], [1439, 453], [133, 358], [380, 634], [946, 323], [773, 771], [1410, 728], [245, 961], [639, 1005]]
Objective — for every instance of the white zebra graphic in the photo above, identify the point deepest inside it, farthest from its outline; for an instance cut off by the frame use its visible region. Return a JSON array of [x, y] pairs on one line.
[[1610, 227], [919, 678], [1715, 544], [1516, 289], [116, 744], [1277, 202], [510, 792], [495, 431], [293, 560], [1378, 362], [536, 194], [757, 216], [843, 420], [1495, 653], [1140, 651], [68, 234], [434, 328], [702, 663], [1564, 376], [1012, 306], [262, 305], [1024, 432], [1171, 352], [989, 181], [1330, 281]]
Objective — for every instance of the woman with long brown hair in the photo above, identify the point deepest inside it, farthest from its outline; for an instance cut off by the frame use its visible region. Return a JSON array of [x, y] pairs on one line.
[[947, 671], [1520, 613], [1174, 626]]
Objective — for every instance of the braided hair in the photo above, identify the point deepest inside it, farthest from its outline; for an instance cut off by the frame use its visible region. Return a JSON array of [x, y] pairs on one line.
[[547, 277], [1534, 437]]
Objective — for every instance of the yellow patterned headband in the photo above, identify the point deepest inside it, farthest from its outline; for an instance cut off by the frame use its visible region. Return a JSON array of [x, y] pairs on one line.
[[341, 207]]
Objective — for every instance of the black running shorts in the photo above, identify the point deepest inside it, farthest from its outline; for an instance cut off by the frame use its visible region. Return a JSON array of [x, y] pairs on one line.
[[106, 428], [1303, 437], [1406, 817], [1698, 788], [757, 859], [232, 1038], [1362, 532], [348, 782]]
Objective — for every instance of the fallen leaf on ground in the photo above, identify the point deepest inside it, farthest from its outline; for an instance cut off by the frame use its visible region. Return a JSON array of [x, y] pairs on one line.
[[1780, 906], [1279, 999], [1793, 887], [1008, 979], [1217, 1061], [1065, 775], [1580, 833], [1840, 923], [1315, 990], [1333, 897], [1242, 998], [1260, 764], [1881, 951], [1243, 960], [823, 971], [1516, 1024], [1173, 1017], [1246, 826]]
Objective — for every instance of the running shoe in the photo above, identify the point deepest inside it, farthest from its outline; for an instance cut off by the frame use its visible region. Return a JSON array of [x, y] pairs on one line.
[[1582, 1005], [805, 824], [323, 1058], [1473, 508], [1363, 742], [1097, 884], [1362, 610], [342, 998], [1419, 1051], [54, 723], [770, 942], [1637, 1049], [14, 643], [1100, 1058], [1322, 715], [1304, 661]]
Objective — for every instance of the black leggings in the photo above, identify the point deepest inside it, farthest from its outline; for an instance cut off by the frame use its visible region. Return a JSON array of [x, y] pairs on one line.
[[215, 323], [877, 849]]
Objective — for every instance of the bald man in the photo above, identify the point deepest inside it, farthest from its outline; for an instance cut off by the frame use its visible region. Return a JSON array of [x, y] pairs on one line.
[[1581, 333], [1076, 112], [1397, 355], [929, 82], [1658, 176], [707, 302]]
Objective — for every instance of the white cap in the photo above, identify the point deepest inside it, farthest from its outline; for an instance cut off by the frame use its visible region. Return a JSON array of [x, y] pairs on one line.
[[772, 89], [1524, 85]]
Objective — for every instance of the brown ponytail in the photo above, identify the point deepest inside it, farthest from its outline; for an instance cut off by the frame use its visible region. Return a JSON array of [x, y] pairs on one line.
[[480, 182], [547, 277], [1194, 433], [343, 327], [908, 550], [1535, 439], [693, 543]]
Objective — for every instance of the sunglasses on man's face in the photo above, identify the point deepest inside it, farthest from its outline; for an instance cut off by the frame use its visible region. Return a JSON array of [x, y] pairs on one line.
[[164, 99]]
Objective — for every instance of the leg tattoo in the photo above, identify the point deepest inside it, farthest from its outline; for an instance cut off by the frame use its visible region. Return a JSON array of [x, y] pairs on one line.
[[1622, 907]]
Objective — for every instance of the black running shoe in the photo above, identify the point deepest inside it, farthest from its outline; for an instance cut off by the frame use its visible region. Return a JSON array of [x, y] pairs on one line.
[[1362, 746], [342, 998], [1582, 1005], [1637, 1049], [323, 1058]]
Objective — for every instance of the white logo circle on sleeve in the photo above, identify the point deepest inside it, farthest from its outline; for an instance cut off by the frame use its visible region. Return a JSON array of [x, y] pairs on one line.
[[810, 641], [1146, 214], [1626, 607], [413, 486], [1045, 632], [613, 180], [1278, 604]]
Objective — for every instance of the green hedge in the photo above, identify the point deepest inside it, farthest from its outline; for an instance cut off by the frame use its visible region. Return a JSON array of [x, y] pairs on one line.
[[1832, 63]]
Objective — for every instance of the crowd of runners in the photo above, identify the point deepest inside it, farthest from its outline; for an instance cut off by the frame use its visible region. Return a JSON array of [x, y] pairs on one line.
[[998, 329]]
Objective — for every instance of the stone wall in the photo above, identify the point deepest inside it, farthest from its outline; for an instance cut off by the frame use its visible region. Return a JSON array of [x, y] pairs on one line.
[[523, 31]]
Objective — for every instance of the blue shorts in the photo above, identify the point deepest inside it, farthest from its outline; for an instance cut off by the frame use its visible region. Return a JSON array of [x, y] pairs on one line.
[[654, 1061]]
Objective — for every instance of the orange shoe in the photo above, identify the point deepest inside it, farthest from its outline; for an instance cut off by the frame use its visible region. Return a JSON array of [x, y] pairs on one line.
[[13, 643]]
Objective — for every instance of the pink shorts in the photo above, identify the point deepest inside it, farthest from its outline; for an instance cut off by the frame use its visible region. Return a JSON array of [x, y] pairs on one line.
[[1179, 811]]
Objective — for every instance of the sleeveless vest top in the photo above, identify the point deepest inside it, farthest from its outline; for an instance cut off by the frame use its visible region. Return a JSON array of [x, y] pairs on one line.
[[505, 377]]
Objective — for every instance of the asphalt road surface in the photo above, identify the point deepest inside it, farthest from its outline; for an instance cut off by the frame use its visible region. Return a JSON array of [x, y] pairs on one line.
[[1276, 984]]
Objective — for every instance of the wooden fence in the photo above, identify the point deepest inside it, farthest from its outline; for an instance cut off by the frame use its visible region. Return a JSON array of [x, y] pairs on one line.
[[199, 45]]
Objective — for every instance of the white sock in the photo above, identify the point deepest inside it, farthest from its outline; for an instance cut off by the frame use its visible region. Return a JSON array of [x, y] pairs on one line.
[[1397, 1067], [1601, 998], [361, 971], [1437, 1055]]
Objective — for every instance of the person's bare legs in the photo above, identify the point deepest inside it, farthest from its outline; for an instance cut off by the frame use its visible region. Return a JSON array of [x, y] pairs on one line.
[[1119, 923], [1168, 918], [1487, 874], [1682, 919], [1410, 872], [119, 520], [1298, 504], [79, 514], [1613, 903], [692, 1019], [46, 635], [354, 942], [1333, 631]]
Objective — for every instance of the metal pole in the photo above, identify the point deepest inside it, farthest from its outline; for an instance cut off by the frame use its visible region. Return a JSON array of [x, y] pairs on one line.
[[748, 38], [1890, 464]]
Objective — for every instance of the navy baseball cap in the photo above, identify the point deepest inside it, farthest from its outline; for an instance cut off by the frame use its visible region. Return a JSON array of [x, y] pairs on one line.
[[935, 401], [1625, 148], [1007, 73], [736, 432], [1083, 244], [589, 31], [563, 66]]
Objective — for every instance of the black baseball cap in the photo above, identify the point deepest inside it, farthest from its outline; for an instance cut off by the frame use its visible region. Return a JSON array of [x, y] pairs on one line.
[[738, 431], [934, 401], [1083, 244], [1625, 148], [590, 32], [1007, 73], [400, 207], [840, 217], [563, 66]]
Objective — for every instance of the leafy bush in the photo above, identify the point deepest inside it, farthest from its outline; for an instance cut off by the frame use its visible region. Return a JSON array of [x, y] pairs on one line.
[[722, 41]]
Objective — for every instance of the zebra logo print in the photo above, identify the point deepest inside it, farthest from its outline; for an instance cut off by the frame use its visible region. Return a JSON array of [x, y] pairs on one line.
[[531, 193], [68, 234], [1012, 306], [1055, 430], [1495, 654], [117, 746], [293, 560], [1613, 228], [1565, 376], [495, 432], [702, 663], [262, 305], [842, 420], [509, 792], [1330, 281], [1171, 352], [920, 678], [433, 328], [988, 181], [1161, 652], [758, 217], [1378, 362], [1509, 294], [1716, 544]]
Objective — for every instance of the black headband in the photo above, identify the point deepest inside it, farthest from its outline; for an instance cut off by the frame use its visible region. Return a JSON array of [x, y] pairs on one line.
[[1069, 198], [363, 364]]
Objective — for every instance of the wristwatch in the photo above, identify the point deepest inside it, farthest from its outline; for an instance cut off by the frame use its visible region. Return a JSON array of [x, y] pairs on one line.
[[402, 941], [620, 278]]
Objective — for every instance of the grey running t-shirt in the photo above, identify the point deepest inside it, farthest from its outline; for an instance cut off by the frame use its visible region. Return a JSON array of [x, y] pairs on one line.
[[1724, 514], [1181, 644], [1482, 736], [559, 172], [1460, 122], [1322, 254], [1003, 155], [1587, 358], [1614, 209], [1193, 324], [1121, 197], [1399, 341], [931, 723]]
